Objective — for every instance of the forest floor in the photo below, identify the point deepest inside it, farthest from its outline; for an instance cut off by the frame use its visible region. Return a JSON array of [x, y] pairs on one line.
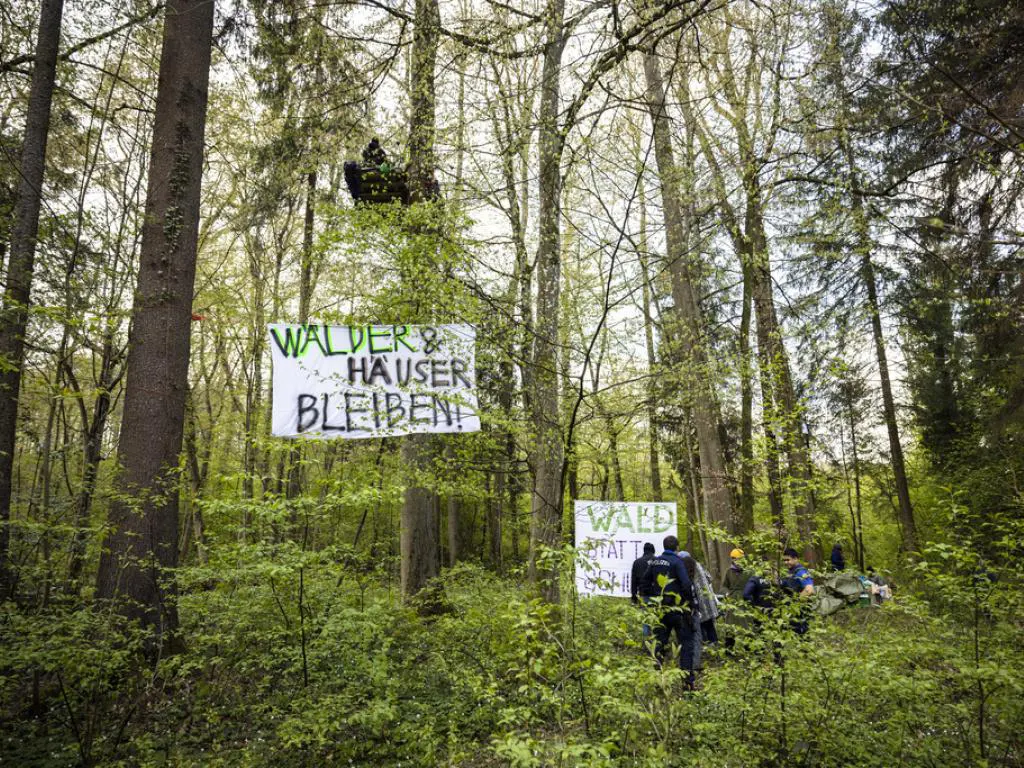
[[305, 665]]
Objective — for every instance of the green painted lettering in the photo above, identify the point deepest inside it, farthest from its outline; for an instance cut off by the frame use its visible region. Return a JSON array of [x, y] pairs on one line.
[[400, 332], [664, 518], [598, 521], [292, 340]]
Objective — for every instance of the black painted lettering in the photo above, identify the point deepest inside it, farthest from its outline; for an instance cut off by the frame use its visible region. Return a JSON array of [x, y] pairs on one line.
[[439, 373], [313, 337], [328, 346], [356, 339], [392, 409], [376, 411], [459, 373], [356, 364], [307, 404], [350, 409], [403, 369], [442, 406], [401, 331], [374, 335], [422, 371], [325, 425], [379, 370], [413, 405], [292, 340]]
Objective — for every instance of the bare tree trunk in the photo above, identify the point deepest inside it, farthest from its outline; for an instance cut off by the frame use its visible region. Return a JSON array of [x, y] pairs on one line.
[[652, 411], [453, 530], [92, 430], [21, 264], [254, 380], [746, 522], [420, 515], [714, 481], [295, 473], [496, 510], [453, 511], [899, 469], [142, 546], [775, 364], [548, 454], [858, 532]]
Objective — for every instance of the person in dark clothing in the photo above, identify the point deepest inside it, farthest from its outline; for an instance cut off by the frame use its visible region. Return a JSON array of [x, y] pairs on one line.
[[758, 592], [636, 588], [637, 574], [374, 154], [666, 578], [736, 577], [838, 561]]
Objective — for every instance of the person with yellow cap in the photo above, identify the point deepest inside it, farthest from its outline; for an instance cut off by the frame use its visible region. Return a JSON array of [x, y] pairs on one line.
[[736, 576]]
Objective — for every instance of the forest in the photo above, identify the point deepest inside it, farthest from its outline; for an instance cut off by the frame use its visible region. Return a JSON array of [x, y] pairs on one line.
[[334, 331]]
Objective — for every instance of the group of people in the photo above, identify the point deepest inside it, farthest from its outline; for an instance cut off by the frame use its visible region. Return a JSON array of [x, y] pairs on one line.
[[681, 589]]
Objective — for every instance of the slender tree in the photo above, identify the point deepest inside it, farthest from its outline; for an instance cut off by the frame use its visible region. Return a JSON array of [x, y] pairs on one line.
[[21, 263]]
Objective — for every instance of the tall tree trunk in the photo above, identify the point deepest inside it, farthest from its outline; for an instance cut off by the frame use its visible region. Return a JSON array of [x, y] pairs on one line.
[[295, 478], [899, 469], [92, 450], [774, 362], [746, 522], [453, 511], [420, 561], [254, 379], [613, 451], [858, 532], [548, 454], [689, 329], [21, 264], [646, 289], [142, 545]]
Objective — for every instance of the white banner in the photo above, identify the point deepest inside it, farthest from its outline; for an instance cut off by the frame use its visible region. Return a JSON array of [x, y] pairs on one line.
[[373, 380], [610, 535]]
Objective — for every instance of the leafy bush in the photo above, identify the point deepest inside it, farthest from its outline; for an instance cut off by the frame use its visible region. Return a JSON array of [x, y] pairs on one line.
[[304, 659]]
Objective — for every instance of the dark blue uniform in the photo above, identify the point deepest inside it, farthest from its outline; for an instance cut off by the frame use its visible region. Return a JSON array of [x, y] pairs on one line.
[[666, 577]]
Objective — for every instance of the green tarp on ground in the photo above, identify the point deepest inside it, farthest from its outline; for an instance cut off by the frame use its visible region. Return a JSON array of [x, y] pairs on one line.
[[838, 591]]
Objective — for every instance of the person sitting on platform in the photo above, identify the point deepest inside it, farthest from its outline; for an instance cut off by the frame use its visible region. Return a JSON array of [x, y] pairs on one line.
[[374, 154]]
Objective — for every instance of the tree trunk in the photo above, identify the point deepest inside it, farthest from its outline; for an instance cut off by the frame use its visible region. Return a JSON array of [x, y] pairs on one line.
[[420, 514], [858, 531], [142, 546], [419, 542], [92, 453], [453, 511], [21, 264], [746, 523], [899, 468], [775, 363], [548, 454], [295, 473], [689, 328], [646, 289]]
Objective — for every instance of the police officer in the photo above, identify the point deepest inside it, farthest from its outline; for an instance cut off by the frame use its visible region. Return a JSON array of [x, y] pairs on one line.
[[666, 578]]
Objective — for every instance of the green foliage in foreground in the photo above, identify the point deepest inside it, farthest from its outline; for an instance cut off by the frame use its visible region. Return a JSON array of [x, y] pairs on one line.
[[305, 659]]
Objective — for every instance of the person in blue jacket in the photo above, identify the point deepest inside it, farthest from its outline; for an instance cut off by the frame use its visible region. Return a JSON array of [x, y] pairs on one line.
[[799, 583], [666, 577]]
